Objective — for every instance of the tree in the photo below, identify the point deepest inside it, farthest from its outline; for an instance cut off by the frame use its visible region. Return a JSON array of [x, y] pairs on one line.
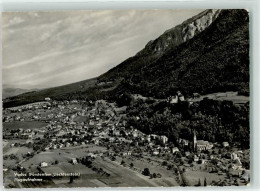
[[124, 99], [199, 184], [146, 172], [122, 162], [14, 157], [131, 165], [178, 155], [169, 167], [190, 161], [205, 182], [71, 179], [164, 163]]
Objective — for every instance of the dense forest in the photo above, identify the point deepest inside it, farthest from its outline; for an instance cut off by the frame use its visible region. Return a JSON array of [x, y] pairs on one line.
[[212, 120]]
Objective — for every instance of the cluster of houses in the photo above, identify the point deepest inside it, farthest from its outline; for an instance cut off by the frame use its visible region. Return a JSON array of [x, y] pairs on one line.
[[234, 161], [179, 97], [20, 133], [72, 124], [176, 98], [101, 123], [31, 106]]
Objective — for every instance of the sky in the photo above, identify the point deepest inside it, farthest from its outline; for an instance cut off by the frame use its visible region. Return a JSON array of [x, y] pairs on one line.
[[48, 49]]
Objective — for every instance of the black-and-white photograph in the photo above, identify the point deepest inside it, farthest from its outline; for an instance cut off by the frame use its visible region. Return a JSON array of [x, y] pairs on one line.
[[126, 98]]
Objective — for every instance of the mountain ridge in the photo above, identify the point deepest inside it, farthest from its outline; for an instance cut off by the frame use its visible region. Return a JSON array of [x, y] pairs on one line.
[[213, 59]]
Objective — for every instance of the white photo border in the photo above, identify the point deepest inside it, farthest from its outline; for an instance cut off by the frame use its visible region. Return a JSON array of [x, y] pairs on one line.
[[253, 6]]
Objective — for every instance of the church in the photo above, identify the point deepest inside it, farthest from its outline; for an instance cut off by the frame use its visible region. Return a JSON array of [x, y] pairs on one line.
[[200, 145]]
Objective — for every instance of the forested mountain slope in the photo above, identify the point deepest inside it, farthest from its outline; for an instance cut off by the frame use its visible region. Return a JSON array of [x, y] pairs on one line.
[[217, 59]]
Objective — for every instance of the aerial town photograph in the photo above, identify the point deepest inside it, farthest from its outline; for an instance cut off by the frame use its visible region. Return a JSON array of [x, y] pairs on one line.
[[126, 98]]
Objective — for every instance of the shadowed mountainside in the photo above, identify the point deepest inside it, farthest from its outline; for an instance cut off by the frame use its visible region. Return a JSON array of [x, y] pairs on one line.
[[10, 92], [217, 59]]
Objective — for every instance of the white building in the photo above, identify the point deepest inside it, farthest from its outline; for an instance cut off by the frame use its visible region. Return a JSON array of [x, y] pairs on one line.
[[44, 164], [156, 152], [181, 98], [74, 161], [164, 139], [173, 99], [175, 149], [225, 144]]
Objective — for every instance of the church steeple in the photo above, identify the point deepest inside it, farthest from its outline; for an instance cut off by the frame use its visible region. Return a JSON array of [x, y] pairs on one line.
[[194, 140]]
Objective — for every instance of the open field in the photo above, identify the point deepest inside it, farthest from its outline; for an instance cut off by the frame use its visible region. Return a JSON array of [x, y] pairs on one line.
[[140, 164], [12, 151], [23, 125], [63, 155], [5, 143], [10, 163], [83, 150], [122, 176], [228, 96], [193, 177], [17, 151], [119, 176], [49, 157], [8, 143]]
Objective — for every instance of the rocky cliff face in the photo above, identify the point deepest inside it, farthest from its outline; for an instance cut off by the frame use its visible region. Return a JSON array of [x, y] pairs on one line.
[[181, 33], [198, 25], [167, 41]]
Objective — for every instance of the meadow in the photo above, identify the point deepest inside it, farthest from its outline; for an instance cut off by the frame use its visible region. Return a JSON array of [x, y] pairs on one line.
[[24, 125]]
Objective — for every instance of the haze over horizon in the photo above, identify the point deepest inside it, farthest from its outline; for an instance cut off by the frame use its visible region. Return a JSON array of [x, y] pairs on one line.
[[47, 49]]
